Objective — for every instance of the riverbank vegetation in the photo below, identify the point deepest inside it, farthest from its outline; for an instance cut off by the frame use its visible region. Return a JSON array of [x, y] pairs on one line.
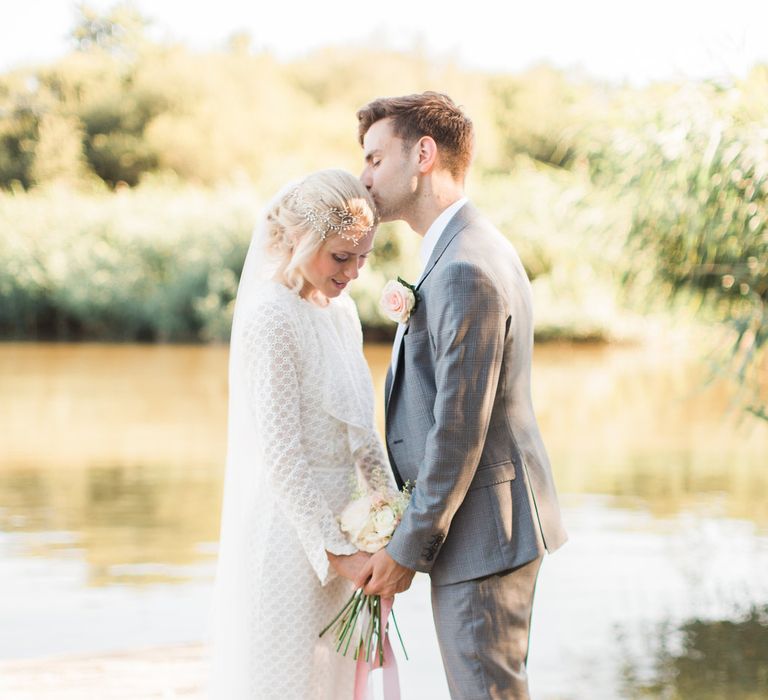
[[132, 174]]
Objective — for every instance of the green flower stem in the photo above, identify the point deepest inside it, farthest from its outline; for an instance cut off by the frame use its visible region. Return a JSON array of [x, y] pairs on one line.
[[369, 635], [380, 640], [343, 622], [349, 631], [347, 619], [339, 614], [397, 629]]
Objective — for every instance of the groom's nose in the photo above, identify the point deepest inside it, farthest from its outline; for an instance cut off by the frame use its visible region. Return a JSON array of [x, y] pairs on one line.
[[365, 177]]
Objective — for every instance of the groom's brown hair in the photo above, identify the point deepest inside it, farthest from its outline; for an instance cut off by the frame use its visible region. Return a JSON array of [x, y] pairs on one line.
[[426, 114]]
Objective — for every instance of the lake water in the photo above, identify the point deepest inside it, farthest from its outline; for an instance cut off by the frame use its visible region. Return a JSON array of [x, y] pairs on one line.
[[111, 462]]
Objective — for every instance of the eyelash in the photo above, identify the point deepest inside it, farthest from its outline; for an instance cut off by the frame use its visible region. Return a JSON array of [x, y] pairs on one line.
[[343, 260]]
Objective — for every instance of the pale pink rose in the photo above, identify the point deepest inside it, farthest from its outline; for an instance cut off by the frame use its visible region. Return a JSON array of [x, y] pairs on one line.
[[371, 541], [370, 520], [356, 517], [368, 526], [378, 500], [397, 301]]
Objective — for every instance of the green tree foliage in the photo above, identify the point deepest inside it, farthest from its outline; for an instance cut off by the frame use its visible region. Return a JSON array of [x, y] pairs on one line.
[[694, 164], [146, 108], [18, 130], [93, 96], [539, 113], [120, 30], [662, 190], [149, 264], [59, 150]]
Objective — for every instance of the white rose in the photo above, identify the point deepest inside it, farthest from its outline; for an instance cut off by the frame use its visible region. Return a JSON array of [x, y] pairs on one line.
[[397, 301], [384, 521], [355, 517], [368, 539], [372, 543]]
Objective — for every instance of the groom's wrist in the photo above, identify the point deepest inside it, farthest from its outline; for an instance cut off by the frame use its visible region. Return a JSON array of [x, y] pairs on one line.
[[398, 552]]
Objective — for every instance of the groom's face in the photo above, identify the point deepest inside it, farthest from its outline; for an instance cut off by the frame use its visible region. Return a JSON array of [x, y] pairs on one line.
[[390, 172]]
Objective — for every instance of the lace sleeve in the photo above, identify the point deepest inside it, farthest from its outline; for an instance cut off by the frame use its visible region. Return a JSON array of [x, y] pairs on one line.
[[370, 458], [374, 466], [272, 370]]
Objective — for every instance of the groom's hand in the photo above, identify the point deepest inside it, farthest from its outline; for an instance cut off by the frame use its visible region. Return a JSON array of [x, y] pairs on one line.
[[383, 576]]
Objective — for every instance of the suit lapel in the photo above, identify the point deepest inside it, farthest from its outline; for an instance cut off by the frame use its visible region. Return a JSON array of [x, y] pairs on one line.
[[461, 219]]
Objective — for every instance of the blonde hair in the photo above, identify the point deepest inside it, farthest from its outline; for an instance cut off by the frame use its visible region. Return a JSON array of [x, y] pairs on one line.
[[292, 240]]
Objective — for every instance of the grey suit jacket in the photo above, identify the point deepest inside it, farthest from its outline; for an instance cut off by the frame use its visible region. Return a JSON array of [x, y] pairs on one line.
[[459, 417]]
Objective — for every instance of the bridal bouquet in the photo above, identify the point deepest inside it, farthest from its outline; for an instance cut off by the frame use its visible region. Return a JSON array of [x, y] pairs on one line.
[[369, 522]]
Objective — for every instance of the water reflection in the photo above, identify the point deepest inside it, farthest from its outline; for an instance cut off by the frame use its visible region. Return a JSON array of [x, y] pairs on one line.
[[704, 659], [124, 446], [111, 464], [641, 425], [79, 406], [135, 525]]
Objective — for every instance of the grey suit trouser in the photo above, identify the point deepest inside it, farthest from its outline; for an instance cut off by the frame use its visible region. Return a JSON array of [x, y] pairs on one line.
[[483, 627]]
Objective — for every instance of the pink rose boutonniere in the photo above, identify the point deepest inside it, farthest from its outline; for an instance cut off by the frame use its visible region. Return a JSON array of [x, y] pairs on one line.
[[399, 300]]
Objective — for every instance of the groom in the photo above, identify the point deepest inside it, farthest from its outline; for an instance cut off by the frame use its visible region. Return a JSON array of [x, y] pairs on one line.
[[459, 421]]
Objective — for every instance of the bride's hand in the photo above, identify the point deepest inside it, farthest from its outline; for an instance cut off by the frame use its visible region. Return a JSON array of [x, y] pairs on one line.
[[348, 565]]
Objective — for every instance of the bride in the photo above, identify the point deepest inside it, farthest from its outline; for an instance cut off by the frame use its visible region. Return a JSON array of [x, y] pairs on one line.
[[301, 431]]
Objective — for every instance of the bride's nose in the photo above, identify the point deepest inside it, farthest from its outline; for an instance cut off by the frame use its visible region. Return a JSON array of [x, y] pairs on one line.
[[351, 269]]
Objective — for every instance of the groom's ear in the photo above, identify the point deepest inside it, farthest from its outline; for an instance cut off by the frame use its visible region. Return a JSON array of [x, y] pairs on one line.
[[427, 154]]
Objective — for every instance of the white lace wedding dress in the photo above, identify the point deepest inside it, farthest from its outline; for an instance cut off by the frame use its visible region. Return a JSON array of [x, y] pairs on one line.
[[301, 427]]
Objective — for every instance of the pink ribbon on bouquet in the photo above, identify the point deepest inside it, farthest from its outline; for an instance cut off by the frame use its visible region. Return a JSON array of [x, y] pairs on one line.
[[391, 679]]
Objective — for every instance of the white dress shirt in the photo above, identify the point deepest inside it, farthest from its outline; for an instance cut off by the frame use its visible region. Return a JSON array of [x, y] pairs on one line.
[[431, 237]]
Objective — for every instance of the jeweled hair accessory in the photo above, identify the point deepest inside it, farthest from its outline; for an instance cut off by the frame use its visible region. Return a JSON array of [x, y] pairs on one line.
[[329, 220]]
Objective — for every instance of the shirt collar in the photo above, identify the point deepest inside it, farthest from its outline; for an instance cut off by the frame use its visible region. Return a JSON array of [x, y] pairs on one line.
[[436, 230]]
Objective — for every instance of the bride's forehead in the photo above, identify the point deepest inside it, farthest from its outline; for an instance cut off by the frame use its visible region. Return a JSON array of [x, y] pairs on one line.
[[338, 245]]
